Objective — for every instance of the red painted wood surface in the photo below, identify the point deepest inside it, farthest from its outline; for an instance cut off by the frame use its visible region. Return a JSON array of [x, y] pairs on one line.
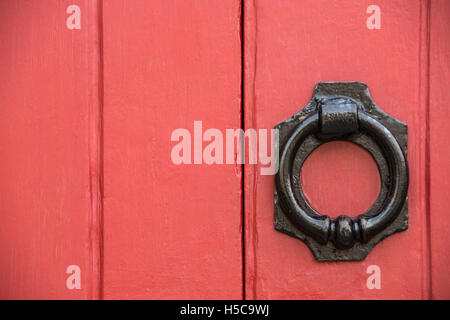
[[439, 150], [335, 162], [170, 231], [289, 47], [86, 118], [47, 93]]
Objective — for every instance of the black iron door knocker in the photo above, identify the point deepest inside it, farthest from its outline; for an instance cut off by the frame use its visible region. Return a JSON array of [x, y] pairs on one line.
[[342, 111]]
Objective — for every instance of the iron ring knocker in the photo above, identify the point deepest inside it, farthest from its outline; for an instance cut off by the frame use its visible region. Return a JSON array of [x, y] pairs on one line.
[[339, 117]]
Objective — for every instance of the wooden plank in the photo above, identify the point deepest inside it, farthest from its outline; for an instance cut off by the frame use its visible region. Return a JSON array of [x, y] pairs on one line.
[[47, 98], [289, 47], [439, 151], [171, 231]]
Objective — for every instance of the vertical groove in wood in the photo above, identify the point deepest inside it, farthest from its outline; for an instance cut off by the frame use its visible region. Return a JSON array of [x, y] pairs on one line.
[[96, 150], [249, 115], [424, 47]]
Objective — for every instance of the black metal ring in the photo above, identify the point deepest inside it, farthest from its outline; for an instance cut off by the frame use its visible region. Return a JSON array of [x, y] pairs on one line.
[[343, 231]]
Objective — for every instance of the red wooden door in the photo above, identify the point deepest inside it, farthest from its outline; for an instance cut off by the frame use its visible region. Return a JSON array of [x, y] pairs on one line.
[[92, 93]]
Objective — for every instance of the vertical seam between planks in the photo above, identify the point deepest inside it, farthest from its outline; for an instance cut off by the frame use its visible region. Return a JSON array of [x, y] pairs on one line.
[[424, 78], [254, 125], [100, 138], [95, 145], [249, 120], [428, 149], [241, 35]]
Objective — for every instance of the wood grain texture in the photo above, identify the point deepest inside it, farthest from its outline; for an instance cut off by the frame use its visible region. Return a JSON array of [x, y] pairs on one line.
[[289, 47], [439, 151], [46, 100], [171, 231]]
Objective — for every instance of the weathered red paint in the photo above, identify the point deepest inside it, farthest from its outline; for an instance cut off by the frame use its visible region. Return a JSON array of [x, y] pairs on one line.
[[171, 231], [86, 117], [45, 201]]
